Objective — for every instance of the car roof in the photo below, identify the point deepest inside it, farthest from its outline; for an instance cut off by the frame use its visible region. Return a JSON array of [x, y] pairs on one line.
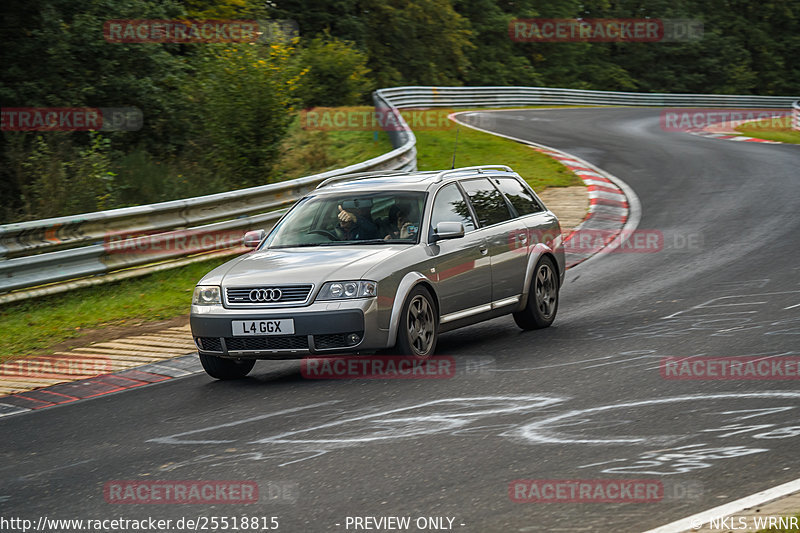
[[408, 180]]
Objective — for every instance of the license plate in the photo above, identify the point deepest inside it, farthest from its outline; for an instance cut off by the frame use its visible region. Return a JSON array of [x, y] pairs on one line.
[[283, 326]]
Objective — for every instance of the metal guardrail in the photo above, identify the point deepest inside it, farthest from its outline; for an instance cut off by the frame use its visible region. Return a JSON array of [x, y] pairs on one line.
[[57, 249], [404, 97], [796, 115]]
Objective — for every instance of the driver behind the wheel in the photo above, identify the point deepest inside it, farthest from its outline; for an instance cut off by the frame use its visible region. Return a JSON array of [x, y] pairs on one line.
[[355, 222]]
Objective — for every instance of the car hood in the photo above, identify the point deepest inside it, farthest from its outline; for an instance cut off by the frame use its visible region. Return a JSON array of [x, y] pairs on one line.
[[301, 265]]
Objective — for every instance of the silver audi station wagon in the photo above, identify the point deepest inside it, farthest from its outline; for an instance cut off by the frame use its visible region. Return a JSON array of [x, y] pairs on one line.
[[382, 261]]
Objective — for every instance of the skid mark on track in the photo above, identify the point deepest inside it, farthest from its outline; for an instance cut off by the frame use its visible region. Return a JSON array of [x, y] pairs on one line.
[[544, 431], [718, 416]]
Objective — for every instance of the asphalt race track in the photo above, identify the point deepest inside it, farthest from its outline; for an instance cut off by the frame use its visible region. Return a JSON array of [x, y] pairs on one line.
[[584, 399]]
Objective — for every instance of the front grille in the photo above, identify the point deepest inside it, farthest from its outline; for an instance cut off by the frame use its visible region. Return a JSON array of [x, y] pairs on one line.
[[209, 344], [289, 294], [278, 342]]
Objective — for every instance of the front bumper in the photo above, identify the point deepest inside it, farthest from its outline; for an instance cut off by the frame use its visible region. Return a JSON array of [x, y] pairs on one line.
[[320, 328]]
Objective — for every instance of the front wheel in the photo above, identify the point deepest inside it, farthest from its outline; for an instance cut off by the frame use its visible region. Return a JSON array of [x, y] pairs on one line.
[[542, 298], [221, 368], [417, 332]]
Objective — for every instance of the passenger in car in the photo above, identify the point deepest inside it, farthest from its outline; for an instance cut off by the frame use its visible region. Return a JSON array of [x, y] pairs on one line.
[[397, 224]]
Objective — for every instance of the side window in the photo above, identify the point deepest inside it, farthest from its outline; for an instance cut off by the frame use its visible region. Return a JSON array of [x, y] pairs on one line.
[[489, 204], [450, 206], [522, 200]]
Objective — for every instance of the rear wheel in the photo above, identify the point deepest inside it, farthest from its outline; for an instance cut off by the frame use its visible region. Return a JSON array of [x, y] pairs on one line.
[[417, 332], [221, 368], [542, 297]]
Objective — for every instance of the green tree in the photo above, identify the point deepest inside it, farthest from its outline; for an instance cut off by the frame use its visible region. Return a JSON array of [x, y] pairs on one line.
[[242, 98], [218, 9], [55, 55], [418, 42], [336, 73], [407, 41], [496, 59]]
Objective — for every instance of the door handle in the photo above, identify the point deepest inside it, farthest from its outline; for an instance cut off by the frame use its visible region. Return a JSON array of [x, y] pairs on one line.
[[484, 250], [522, 237]]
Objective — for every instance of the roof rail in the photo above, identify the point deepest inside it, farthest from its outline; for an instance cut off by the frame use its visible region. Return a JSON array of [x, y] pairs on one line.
[[361, 176], [478, 169]]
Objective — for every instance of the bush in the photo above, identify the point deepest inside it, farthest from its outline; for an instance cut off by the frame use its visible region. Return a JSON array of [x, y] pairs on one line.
[[242, 101], [337, 73], [56, 175]]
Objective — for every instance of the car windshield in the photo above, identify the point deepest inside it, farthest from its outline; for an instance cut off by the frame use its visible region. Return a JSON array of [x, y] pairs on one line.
[[386, 217]]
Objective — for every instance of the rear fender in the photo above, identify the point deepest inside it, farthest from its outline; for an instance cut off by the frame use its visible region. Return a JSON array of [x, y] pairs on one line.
[[538, 250]]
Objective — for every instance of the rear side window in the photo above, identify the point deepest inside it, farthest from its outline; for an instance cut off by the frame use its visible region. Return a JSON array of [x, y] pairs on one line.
[[450, 206], [489, 204], [522, 200]]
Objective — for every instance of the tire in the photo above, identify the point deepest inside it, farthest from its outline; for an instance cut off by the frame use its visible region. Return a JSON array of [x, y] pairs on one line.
[[417, 332], [221, 368], [542, 297]]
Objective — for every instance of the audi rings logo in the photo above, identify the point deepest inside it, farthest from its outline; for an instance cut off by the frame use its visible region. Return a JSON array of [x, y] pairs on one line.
[[265, 295]]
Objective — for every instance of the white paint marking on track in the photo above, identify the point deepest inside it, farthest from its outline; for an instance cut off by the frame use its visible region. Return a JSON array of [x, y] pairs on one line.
[[542, 431], [710, 304], [413, 425], [6, 409], [172, 439], [607, 195], [697, 520], [589, 181]]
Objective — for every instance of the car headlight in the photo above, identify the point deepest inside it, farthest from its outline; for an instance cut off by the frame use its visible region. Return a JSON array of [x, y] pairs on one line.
[[344, 290], [206, 295]]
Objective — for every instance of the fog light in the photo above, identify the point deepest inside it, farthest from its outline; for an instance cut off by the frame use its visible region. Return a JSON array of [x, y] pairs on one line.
[[353, 339]]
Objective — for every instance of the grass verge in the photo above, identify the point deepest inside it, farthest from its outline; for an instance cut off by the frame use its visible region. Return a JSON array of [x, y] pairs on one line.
[[771, 130], [435, 151], [312, 151], [32, 326]]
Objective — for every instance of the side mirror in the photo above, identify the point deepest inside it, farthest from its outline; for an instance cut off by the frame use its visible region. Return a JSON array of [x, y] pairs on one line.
[[448, 230], [252, 238]]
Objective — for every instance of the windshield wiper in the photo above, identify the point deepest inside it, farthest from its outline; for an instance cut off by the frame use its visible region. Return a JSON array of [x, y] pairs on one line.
[[366, 241], [341, 243], [299, 245]]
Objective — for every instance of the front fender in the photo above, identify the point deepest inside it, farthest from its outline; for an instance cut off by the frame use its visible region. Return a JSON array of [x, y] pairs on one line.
[[406, 285]]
